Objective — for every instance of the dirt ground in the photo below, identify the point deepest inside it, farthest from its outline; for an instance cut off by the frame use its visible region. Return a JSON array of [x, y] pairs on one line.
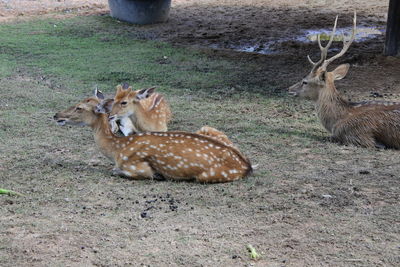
[[357, 218]]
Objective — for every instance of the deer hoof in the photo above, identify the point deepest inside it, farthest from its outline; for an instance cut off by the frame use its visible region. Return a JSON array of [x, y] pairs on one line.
[[158, 177], [116, 172]]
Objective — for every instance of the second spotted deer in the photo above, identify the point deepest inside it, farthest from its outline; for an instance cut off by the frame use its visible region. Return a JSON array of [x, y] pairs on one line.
[[148, 115], [148, 111], [367, 123]]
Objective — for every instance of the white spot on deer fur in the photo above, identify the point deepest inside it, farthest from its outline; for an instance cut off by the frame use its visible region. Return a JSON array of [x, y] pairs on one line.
[[133, 167], [233, 171], [212, 172], [121, 155], [131, 149], [224, 174], [141, 171], [118, 146], [125, 158]]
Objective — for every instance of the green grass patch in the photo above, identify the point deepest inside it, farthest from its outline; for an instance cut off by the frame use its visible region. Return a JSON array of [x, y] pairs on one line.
[[88, 51]]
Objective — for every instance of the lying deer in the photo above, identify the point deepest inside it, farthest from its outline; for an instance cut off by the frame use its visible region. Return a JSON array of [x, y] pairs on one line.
[[148, 111], [367, 123], [174, 155], [130, 104]]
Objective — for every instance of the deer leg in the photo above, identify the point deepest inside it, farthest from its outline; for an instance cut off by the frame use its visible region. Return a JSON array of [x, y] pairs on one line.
[[119, 172], [367, 141], [141, 170], [219, 175]]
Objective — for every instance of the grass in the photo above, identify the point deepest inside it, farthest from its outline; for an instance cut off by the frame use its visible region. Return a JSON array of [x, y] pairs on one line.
[[75, 211]]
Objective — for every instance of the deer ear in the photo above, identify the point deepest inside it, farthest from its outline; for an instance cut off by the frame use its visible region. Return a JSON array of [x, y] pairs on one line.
[[105, 106], [125, 86], [98, 94], [341, 71], [145, 93], [119, 88]]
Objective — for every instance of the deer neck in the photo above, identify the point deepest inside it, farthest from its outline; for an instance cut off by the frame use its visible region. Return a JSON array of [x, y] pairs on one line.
[[105, 139], [140, 117], [331, 106]]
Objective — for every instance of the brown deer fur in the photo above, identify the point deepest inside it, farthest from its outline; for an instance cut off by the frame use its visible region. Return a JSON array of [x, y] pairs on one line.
[[175, 155], [215, 134], [367, 124]]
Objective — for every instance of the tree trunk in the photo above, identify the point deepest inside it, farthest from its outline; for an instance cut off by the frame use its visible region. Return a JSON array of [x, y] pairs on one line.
[[392, 44]]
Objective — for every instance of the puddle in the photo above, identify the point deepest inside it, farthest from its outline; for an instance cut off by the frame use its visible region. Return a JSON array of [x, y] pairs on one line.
[[363, 34]]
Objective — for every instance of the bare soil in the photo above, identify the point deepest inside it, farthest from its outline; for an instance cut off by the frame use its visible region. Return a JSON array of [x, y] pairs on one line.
[[340, 209]]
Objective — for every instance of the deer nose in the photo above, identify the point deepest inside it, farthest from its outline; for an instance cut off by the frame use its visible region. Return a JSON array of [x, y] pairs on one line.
[[55, 117]]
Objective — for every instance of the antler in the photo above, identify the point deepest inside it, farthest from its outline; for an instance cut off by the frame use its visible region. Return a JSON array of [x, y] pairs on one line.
[[324, 50], [346, 44]]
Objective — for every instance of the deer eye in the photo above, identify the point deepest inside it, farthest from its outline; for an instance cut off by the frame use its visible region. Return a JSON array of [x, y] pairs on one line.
[[305, 82], [78, 109], [123, 103]]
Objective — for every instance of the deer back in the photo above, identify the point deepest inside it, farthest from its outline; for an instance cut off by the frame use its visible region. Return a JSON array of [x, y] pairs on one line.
[[182, 155]]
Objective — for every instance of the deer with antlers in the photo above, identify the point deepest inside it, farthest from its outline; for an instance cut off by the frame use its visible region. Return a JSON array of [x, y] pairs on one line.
[[368, 123], [174, 155]]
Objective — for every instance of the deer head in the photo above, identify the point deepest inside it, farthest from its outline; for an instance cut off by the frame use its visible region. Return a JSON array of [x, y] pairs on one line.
[[82, 113], [127, 101], [319, 78]]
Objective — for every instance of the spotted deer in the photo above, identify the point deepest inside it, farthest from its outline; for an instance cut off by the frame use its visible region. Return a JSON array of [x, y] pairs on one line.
[[130, 103], [147, 110], [174, 155], [368, 123]]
